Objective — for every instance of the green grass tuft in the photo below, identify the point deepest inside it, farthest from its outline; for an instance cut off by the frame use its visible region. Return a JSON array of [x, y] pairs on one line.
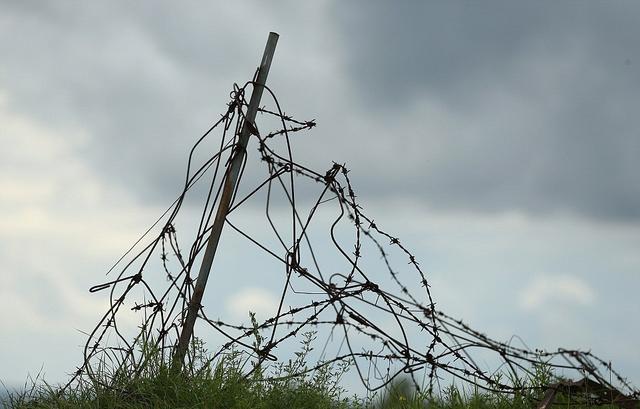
[[224, 386]]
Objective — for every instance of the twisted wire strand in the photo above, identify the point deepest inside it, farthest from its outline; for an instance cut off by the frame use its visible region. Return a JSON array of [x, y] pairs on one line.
[[383, 331]]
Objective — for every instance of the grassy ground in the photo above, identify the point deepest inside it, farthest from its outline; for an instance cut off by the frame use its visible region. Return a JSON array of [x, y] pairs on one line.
[[224, 386], [232, 392], [227, 389]]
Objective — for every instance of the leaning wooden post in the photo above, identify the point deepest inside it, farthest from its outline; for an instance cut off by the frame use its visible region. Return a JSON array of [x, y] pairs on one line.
[[230, 182]]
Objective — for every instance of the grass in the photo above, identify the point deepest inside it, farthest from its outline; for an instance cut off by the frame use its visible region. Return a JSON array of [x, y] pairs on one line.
[[223, 386]]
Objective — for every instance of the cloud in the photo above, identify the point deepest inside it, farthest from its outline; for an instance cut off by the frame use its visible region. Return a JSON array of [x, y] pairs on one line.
[[60, 228], [144, 82], [548, 291], [251, 299], [453, 50], [492, 109], [50, 231], [460, 106], [112, 73]]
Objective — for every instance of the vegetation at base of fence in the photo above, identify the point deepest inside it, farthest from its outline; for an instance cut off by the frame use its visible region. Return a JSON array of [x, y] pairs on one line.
[[225, 385]]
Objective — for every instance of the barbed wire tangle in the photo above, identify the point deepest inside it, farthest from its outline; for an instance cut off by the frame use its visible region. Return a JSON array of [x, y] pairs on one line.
[[358, 288]]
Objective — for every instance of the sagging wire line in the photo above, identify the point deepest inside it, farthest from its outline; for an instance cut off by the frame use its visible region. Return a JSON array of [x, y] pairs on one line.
[[374, 313]]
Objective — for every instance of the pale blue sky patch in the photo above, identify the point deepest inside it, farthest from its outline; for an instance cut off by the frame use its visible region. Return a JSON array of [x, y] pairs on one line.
[[556, 290]]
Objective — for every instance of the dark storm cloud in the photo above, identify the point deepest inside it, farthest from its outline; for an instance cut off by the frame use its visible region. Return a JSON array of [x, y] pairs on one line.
[[550, 91], [399, 50], [142, 81], [538, 100]]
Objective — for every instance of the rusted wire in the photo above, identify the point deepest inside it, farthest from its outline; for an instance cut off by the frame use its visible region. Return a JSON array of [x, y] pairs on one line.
[[382, 325]]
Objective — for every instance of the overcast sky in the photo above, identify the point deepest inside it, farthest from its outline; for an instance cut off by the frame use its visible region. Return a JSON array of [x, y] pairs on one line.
[[499, 140]]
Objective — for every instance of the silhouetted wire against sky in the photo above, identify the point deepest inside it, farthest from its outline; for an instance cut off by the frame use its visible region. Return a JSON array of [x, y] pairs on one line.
[[498, 142], [364, 297]]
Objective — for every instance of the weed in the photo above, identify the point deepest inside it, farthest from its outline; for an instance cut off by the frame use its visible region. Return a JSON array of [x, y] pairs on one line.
[[292, 385]]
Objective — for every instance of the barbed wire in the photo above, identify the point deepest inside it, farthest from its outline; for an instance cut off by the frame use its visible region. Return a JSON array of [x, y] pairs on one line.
[[364, 309]]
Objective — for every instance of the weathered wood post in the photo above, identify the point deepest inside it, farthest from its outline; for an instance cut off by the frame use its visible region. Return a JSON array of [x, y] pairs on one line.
[[231, 179]]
